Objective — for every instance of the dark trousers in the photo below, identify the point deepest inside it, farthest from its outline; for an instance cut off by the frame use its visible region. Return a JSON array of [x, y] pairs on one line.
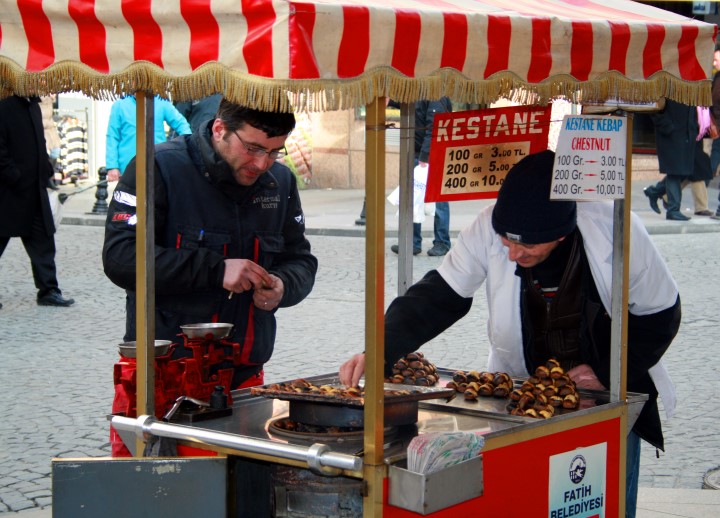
[[40, 247], [672, 187]]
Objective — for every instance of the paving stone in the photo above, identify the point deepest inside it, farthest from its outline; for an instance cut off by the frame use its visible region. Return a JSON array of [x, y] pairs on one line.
[[64, 364]]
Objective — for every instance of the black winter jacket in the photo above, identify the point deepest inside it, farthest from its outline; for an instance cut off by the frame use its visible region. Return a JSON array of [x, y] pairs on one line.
[[202, 217], [24, 168]]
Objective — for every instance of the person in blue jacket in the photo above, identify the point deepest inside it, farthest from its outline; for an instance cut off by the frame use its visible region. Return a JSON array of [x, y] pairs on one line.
[[120, 139]]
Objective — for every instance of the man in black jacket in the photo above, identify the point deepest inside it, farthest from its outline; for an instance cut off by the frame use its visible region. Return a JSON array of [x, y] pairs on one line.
[[230, 240], [24, 206]]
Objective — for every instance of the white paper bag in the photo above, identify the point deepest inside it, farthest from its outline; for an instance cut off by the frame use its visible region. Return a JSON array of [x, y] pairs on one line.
[[419, 184], [55, 207]]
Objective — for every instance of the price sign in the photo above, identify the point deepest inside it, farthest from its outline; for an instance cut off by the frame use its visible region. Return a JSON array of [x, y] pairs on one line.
[[590, 160], [472, 151]]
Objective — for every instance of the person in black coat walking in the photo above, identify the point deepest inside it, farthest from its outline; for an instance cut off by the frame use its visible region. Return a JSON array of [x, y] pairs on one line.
[[680, 155], [24, 205]]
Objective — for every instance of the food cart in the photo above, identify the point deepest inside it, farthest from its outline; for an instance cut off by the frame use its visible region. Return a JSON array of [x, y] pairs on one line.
[[328, 55]]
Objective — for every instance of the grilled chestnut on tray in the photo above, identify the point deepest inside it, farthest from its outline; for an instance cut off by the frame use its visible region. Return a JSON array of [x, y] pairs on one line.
[[475, 383], [549, 388], [302, 386]]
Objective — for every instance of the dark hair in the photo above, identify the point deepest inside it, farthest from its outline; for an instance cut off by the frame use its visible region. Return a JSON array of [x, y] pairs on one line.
[[273, 124]]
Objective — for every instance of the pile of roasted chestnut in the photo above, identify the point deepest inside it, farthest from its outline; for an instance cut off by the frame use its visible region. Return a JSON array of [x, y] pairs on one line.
[[473, 384], [549, 388], [414, 369]]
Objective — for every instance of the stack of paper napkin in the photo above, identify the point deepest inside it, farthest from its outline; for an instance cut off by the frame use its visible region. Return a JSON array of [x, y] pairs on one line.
[[432, 452]]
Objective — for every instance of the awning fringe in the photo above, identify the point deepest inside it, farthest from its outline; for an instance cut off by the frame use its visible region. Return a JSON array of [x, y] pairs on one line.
[[338, 94]]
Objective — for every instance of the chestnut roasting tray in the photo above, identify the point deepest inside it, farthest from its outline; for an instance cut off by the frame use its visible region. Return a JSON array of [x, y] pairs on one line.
[[334, 410]]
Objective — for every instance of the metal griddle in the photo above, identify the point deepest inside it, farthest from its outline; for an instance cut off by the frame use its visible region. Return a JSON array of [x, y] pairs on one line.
[[334, 410]]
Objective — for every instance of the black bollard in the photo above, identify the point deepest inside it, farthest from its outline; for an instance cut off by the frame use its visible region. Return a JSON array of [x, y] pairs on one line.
[[101, 194]]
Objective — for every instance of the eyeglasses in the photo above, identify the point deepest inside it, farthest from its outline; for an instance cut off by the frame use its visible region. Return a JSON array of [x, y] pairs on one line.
[[258, 151]]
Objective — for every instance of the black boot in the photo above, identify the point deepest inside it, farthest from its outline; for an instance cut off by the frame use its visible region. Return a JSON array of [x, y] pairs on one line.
[[361, 220], [676, 215], [653, 197]]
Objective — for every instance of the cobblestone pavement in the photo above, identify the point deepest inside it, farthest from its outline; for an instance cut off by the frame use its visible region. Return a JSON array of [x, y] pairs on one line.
[[56, 363]]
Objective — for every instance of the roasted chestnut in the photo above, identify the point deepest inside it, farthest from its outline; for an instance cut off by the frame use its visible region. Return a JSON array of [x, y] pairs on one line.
[[473, 376], [542, 372], [552, 362], [460, 377], [570, 401], [500, 391], [501, 377], [566, 390], [486, 377], [416, 364], [486, 389], [300, 383], [556, 373]]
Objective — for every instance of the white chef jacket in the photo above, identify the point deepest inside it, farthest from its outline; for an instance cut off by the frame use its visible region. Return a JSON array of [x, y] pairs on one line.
[[479, 256]]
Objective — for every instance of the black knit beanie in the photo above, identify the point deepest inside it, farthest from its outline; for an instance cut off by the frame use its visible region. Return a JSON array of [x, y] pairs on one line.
[[524, 212]]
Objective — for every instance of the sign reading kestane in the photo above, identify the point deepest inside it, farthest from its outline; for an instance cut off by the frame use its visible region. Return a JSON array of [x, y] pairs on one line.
[[472, 151]]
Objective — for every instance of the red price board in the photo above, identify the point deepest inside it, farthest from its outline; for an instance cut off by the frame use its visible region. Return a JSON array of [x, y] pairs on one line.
[[472, 151]]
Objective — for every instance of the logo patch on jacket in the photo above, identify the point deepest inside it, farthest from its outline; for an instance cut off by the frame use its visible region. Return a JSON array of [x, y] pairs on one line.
[[121, 216], [267, 202], [130, 219], [300, 218], [126, 199]]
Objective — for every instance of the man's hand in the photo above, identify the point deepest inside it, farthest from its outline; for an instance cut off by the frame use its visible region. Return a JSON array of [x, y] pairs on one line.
[[269, 296], [243, 275], [585, 378], [113, 175], [352, 370]]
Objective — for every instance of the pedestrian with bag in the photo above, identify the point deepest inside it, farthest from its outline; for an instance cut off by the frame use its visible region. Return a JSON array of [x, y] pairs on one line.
[[424, 117]]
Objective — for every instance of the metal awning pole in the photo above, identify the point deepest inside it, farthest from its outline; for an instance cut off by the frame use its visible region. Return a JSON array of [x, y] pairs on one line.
[[405, 211], [374, 468], [619, 306], [145, 256]]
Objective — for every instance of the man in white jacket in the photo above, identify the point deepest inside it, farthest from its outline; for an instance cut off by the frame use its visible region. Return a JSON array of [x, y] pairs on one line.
[[547, 269]]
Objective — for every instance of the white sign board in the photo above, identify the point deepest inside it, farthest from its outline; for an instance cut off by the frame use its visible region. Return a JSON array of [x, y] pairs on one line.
[[577, 483], [590, 158]]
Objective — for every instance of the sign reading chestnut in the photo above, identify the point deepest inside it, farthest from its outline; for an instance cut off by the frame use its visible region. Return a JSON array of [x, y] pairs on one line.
[[590, 160]]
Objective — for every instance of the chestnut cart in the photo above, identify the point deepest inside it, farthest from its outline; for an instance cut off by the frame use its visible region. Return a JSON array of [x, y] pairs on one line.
[[315, 469], [332, 55]]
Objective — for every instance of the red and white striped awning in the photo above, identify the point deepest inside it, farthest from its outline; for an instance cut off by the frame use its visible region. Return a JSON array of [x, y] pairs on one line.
[[336, 54]]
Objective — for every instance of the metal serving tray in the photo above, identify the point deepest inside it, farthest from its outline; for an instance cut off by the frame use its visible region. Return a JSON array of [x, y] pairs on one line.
[[415, 394]]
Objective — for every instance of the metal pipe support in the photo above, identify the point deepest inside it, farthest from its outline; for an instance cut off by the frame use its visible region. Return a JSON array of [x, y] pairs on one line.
[[319, 458]]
